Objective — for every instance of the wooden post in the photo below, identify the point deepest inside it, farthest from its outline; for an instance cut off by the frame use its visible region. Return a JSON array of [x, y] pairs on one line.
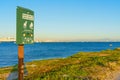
[[20, 62]]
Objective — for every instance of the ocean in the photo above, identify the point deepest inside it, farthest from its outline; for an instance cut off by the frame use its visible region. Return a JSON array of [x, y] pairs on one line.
[[49, 50]]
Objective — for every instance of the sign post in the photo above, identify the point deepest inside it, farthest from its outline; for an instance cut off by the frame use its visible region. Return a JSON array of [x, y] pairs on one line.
[[24, 35], [20, 62]]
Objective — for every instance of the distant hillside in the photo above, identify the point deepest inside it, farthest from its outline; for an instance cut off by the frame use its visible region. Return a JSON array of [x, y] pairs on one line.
[[104, 65]]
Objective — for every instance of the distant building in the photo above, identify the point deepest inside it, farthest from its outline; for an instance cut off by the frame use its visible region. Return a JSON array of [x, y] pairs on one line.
[[8, 39]]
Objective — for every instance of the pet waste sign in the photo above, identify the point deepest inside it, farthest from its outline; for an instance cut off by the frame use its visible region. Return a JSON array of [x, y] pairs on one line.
[[24, 35], [25, 26]]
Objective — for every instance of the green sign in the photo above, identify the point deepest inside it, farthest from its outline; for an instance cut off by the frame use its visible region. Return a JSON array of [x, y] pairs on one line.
[[25, 26]]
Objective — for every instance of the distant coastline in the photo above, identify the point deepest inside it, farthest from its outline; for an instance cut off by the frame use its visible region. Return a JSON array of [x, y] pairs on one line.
[[37, 40]]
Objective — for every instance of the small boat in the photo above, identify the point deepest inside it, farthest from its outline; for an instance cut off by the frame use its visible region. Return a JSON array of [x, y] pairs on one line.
[[110, 44]]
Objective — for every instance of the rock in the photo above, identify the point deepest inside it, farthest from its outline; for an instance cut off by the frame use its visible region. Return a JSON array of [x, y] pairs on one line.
[[13, 76]]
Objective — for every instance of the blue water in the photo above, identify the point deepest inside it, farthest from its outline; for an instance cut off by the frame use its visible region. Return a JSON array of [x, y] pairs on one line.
[[38, 51]]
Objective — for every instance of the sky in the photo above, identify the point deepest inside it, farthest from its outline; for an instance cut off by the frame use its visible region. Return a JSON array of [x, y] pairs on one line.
[[65, 20]]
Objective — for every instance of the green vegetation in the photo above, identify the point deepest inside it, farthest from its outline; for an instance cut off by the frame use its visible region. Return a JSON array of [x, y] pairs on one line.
[[80, 66]]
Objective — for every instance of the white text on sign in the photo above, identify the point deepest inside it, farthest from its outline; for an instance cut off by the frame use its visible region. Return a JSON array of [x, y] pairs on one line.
[[27, 16]]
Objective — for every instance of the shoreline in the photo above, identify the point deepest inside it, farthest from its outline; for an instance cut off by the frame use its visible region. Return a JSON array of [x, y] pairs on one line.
[[103, 64]]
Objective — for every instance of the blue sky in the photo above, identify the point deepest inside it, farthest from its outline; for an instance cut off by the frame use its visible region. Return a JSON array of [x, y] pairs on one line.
[[65, 20]]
